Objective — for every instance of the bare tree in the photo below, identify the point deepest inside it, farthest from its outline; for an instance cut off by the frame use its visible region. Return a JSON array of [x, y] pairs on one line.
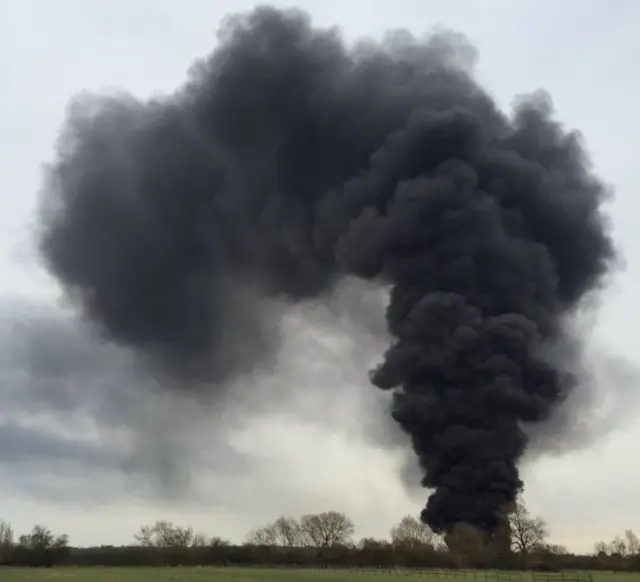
[[216, 542], [288, 532], [265, 536], [632, 543], [527, 532], [411, 532], [41, 538], [619, 546], [616, 553], [285, 531], [326, 529], [165, 534], [602, 552], [199, 540], [6, 541], [146, 536], [555, 549], [466, 544], [601, 549], [6, 534]]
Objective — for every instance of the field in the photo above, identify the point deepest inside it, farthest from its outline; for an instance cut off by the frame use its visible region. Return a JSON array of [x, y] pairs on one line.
[[276, 575]]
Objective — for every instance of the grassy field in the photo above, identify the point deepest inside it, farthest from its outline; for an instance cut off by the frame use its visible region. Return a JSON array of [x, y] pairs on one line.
[[265, 575]]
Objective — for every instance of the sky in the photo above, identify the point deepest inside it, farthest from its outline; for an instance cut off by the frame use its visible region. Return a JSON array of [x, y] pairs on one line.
[[90, 447]]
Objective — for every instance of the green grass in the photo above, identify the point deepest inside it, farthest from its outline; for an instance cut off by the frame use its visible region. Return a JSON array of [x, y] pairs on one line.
[[250, 575]]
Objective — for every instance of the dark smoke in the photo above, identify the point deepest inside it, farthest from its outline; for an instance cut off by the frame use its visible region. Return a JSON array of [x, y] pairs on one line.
[[288, 161]]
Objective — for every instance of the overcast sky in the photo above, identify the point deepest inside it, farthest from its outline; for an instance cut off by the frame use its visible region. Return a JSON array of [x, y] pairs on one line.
[[83, 434]]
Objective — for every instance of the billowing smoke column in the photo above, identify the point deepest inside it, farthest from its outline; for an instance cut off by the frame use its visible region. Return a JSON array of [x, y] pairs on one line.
[[289, 160]]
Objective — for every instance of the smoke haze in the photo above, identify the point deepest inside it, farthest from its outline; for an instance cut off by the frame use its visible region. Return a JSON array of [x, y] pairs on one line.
[[185, 229]]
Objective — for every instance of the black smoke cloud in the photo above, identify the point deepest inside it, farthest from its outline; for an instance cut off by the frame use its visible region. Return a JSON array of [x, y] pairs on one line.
[[288, 161]]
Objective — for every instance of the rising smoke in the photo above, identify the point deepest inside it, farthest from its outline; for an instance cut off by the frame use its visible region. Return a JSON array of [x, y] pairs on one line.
[[289, 161]]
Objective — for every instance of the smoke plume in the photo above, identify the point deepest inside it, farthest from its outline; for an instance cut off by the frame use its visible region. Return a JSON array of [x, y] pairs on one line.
[[288, 161]]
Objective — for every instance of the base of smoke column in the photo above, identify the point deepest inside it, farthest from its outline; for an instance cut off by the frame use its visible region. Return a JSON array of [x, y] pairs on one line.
[[472, 547]]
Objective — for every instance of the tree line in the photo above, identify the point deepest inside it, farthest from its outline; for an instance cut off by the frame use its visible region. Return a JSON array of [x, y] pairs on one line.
[[327, 540]]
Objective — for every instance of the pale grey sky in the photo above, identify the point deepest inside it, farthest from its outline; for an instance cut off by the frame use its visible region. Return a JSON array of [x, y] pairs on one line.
[[300, 451]]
